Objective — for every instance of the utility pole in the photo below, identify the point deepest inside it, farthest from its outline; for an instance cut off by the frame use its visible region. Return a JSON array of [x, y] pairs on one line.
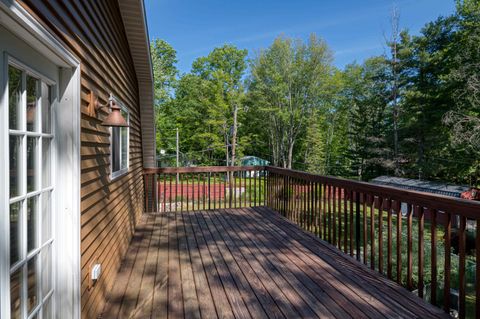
[[178, 152]]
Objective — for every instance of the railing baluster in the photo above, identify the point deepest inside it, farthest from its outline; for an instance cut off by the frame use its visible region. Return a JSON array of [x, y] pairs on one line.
[[255, 188], [365, 198], [164, 177], [187, 190], [409, 247], [315, 208], [311, 209], [372, 232], [380, 234], [170, 192], [339, 205], [345, 221], [234, 177], [389, 238], [296, 201], [462, 282], [177, 179], [250, 187], [421, 252], [215, 192], [181, 190], [357, 224], [334, 215], [324, 211], [225, 189], [297, 196], [245, 190], [305, 205], [209, 175], [203, 191], [285, 190], [198, 190], [319, 208], [477, 269], [329, 209], [433, 234], [289, 197], [448, 241], [399, 240], [351, 221]]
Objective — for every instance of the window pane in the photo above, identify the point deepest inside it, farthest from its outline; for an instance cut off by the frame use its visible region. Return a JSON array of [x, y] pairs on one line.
[[46, 216], [46, 108], [14, 232], [32, 150], [32, 218], [15, 158], [124, 143], [46, 162], [15, 292], [46, 263], [14, 97], [32, 284], [32, 103], [115, 149]]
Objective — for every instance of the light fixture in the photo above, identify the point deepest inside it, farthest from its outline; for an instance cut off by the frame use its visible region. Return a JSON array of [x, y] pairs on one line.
[[114, 118]]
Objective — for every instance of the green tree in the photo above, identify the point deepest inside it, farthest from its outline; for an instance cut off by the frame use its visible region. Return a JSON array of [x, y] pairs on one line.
[[286, 82], [224, 69], [367, 93], [165, 76]]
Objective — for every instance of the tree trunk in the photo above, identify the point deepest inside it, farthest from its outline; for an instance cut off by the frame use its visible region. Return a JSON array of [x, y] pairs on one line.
[[290, 153]]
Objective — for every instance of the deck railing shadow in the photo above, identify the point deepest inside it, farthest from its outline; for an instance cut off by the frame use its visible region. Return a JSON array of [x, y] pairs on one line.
[[250, 254]]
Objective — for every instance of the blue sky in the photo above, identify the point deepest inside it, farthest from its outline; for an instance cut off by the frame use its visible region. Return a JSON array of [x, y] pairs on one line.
[[354, 29]]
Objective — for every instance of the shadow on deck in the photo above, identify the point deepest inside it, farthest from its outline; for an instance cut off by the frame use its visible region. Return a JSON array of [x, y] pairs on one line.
[[248, 263]]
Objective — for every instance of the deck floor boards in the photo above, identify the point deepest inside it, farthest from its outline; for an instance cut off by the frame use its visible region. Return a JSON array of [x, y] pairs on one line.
[[248, 263]]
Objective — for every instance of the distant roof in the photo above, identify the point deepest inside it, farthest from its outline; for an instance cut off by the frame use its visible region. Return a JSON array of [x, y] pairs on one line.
[[255, 158], [422, 185]]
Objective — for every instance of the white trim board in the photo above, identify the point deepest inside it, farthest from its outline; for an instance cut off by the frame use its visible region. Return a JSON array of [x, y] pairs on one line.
[[66, 151]]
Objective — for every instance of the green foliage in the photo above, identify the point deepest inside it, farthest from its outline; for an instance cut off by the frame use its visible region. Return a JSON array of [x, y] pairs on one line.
[[164, 58], [413, 112], [286, 84]]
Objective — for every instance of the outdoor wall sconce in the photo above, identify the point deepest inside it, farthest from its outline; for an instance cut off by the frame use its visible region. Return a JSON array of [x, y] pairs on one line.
[[114, 118]]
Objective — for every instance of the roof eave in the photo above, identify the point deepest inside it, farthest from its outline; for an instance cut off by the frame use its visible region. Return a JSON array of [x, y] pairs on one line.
[[136, 29]]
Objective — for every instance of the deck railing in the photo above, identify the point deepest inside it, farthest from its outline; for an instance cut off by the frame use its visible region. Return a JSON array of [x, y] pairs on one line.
[[425, 242], [203, 188]]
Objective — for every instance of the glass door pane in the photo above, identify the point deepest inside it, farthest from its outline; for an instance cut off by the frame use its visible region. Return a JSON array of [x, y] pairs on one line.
[[31, 211], [14, 97]]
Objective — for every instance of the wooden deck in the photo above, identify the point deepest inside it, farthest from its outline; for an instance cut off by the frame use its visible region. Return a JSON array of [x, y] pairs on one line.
[[248, 263]]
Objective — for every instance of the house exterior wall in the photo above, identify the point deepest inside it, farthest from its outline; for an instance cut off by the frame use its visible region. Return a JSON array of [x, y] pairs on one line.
[[94, 32]]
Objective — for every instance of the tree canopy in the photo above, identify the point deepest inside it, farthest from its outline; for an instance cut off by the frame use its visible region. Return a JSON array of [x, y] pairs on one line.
[[413, 111]]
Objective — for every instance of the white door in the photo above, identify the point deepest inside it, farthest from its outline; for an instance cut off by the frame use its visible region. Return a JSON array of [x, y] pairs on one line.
[[29, 102]]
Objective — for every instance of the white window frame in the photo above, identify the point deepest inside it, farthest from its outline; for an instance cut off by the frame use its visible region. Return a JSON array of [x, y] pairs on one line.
[[122, 171]]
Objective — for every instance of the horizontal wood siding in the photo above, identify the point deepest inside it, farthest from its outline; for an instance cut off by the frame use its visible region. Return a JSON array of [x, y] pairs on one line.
[[94, 32]]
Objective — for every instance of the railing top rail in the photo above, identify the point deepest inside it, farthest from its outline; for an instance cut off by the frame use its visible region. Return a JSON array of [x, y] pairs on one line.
[[201, 169], [463, 207]]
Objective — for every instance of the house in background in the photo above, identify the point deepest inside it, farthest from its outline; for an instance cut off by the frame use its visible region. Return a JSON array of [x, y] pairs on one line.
[[71, 183], [253, 161]]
